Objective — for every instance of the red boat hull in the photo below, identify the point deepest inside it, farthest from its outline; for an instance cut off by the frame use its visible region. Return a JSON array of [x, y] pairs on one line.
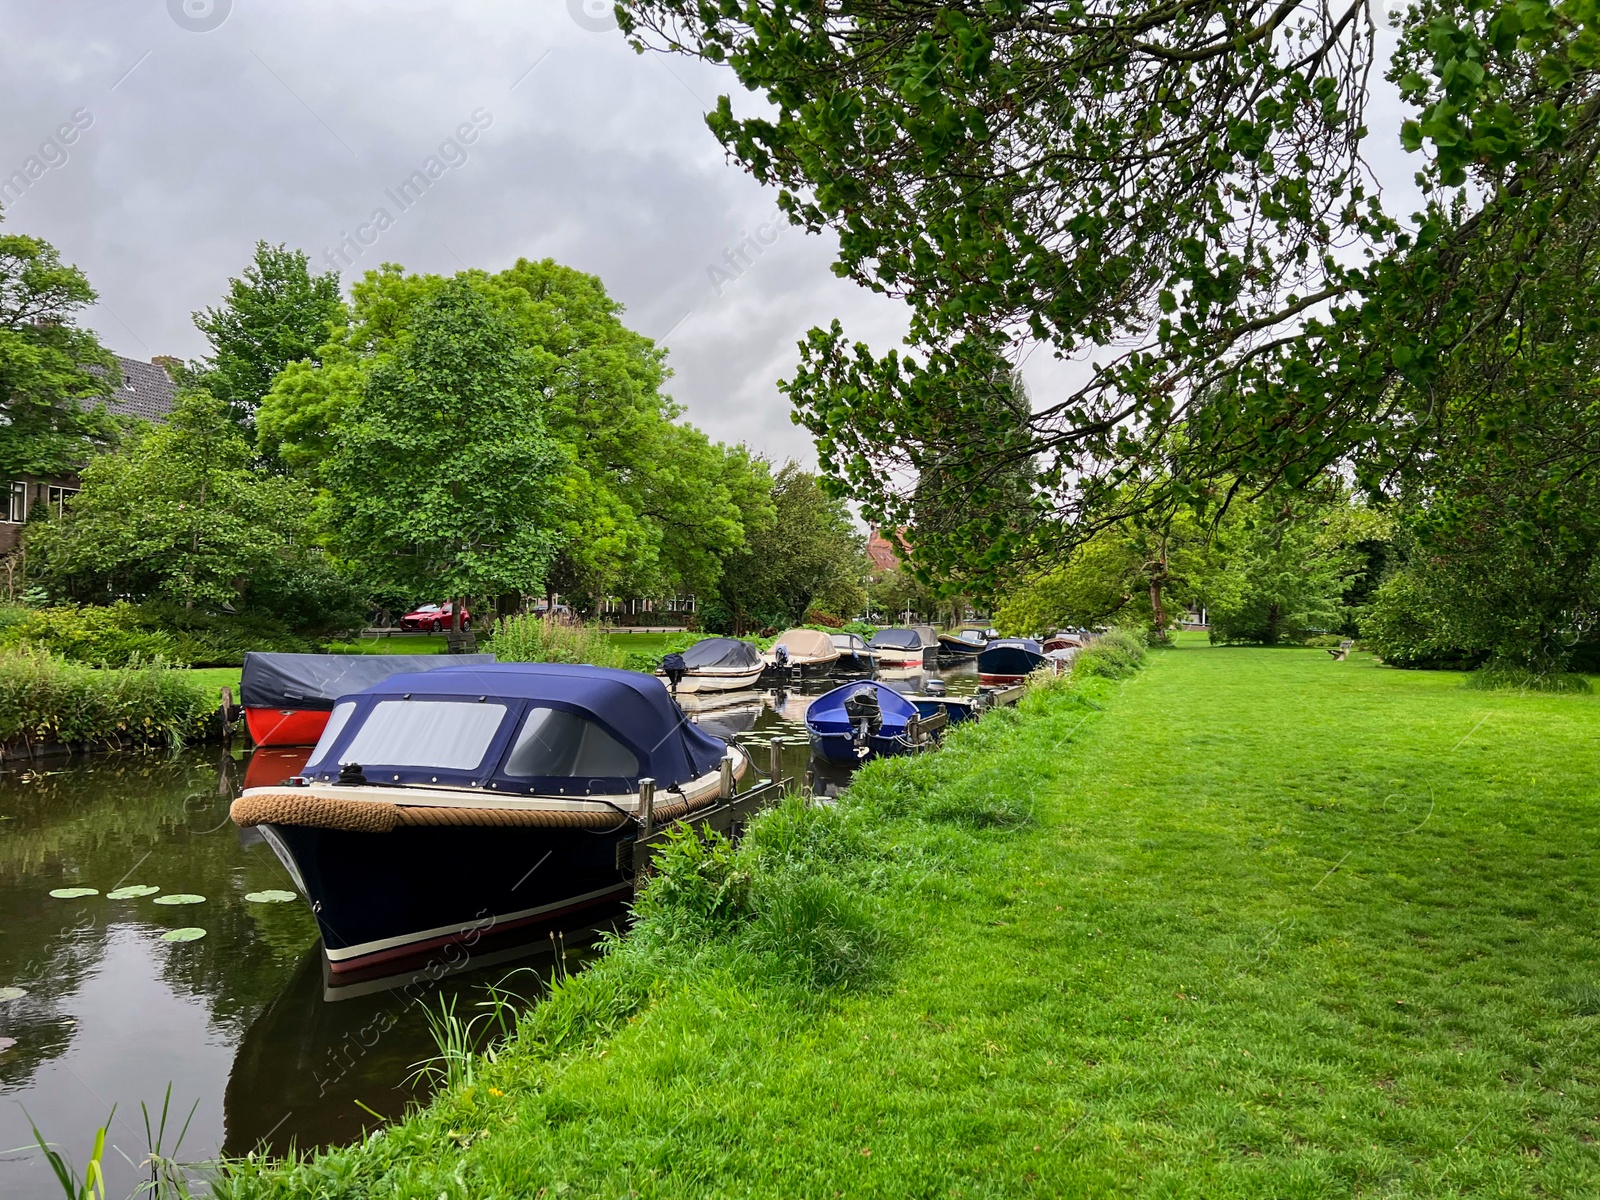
[[285, 726], [1000, 680]]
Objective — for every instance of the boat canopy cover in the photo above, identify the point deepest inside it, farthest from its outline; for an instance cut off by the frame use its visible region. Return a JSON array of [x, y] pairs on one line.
[[806, 643], [847, 643], [929, 635], [896, 639], [315, 681], [523, 726], [1019, 643], [721, 652]]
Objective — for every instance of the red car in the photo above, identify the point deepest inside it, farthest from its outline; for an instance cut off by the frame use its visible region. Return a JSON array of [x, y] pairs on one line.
[[434, 617]]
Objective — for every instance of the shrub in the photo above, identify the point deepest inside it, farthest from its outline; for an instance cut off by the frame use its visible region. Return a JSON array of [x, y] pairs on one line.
[[44, 699], [122, 634], [530, 638], [1113, 655], [1406, 629], [1502, 677]]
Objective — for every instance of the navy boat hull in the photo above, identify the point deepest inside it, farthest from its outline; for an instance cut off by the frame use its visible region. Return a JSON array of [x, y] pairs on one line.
[[382, 899], [1008, 663]]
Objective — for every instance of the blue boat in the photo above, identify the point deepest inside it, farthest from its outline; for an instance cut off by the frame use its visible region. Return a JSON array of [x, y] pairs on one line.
[[439, 808], [859, 720], [1009, 660]]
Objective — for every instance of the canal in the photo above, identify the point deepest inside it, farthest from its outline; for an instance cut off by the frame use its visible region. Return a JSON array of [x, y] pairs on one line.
[[192, 963]]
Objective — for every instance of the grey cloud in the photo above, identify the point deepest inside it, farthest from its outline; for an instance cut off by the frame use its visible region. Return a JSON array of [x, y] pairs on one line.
[[294, 121]]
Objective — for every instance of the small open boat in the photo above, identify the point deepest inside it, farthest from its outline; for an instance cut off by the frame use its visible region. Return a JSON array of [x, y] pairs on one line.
[[441, 807], [898, 647], [1009, 660], [1063, 641], [859, 720], [287, 697], [808, 650], [964, 643], [715, 664]]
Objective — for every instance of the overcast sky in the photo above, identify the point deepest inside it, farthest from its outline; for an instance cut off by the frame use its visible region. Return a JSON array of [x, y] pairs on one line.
[[207, 124], [296, 121]]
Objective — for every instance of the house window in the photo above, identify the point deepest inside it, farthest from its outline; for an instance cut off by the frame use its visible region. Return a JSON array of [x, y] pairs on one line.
[[57, 498], [17, 503]]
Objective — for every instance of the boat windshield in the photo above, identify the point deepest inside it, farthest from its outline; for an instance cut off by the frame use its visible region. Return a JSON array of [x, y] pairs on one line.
[[555, 743], [449, 735], [331, 731]]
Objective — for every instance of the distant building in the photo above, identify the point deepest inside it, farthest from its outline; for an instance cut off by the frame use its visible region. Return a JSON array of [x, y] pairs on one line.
[[885, 554], [146, 391]]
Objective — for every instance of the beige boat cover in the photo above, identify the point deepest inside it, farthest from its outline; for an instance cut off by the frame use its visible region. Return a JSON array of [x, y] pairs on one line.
[[806, 645]]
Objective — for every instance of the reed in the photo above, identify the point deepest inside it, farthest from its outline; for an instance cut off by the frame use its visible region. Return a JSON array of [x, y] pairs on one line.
[[529, 638], [44, 699]]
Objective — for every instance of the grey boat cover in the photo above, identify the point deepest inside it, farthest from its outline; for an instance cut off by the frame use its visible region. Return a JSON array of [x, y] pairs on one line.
[[315, 681], [896, 639], [721, 652]]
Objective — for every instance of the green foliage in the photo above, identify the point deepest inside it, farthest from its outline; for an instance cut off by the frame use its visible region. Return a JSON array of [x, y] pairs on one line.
[[698, 888], [1406, 628], [643, 505], [124, 634], [47, 700], [53, 374], [1113, 655], [277, 313], [441, 480], [529, 638], [177, 514], [809, 553], [1283, 571]]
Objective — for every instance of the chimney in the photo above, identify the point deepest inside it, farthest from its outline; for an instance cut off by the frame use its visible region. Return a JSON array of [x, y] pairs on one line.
[[169, 364]]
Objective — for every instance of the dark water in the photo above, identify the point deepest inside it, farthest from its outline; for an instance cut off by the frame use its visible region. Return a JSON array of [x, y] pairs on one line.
[[239, 1022]]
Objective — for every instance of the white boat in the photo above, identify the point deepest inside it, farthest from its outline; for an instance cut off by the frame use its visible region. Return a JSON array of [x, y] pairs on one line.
[[716, 664]]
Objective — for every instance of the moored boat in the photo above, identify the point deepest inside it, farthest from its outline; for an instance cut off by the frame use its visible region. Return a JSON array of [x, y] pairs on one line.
[[897, 647], [808, 650], [859, 720], [964, 643], [1009, 660], [853, 652], [439, 808], [287, 697], [715, 664]]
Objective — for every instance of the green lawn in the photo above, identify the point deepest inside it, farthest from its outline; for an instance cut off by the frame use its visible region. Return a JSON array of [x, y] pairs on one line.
[[1267, 926]]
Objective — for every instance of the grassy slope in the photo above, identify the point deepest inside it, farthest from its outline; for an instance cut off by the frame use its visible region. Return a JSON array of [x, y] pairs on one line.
[[1282, 927]]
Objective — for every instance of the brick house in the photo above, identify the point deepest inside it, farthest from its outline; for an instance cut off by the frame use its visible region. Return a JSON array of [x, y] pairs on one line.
[[885, 554], [146, 391]]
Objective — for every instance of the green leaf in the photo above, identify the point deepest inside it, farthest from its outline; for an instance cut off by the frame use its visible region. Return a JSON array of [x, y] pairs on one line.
[[180, 898], [132, 892], [271, 896], [189, 933], [74, 893]]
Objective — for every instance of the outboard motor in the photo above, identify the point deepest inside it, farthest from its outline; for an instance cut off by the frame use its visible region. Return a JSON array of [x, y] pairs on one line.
[[865, 716], [780, 655], [674, 668]]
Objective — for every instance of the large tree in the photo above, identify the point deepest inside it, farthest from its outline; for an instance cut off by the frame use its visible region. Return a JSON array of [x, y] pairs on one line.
[[276, 312], [1176, 191], [177, 514], [53, 373], [650, 505], [809, 555], [444, 477]]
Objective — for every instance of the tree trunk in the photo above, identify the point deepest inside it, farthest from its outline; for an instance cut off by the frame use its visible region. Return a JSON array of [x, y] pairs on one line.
[[456, 606], [1158, 609]]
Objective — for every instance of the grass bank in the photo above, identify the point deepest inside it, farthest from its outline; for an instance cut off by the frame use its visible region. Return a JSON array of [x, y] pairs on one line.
[[1259, 925]]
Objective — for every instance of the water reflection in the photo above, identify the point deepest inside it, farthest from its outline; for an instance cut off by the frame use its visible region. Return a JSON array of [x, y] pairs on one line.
[[241, 1020]]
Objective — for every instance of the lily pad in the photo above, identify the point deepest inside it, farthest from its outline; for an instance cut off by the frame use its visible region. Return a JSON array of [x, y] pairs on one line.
[[180, 898], [73, 893], [6, 1044], [189, 933], [12, 993], [271, 896], [132, 892]]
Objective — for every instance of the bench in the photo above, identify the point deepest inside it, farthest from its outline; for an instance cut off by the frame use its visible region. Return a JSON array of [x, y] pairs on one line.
[[1343, 652]]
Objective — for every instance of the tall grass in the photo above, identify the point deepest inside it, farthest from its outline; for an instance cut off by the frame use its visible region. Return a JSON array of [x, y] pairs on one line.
[[529, 638], [45, 699], [1113, 655]]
